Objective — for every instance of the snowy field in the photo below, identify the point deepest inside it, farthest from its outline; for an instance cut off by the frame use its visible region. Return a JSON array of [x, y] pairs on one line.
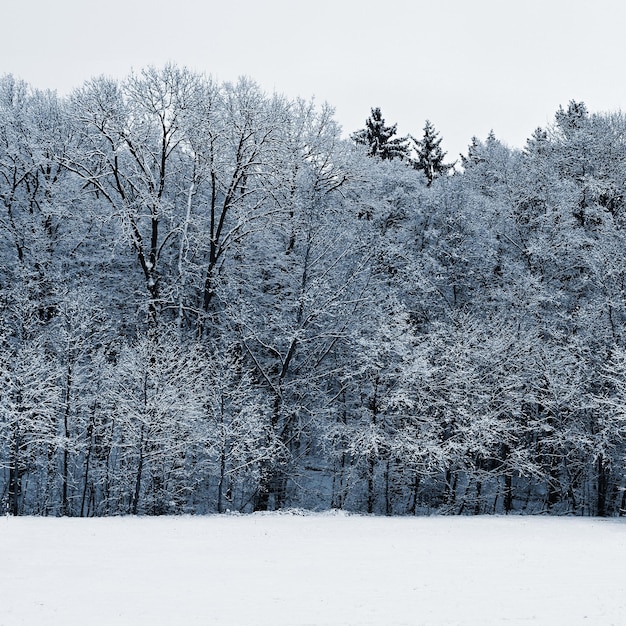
[[318, 570]]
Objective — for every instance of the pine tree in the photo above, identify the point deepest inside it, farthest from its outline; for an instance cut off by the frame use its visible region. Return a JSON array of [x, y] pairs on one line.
[[429, 155], [380, 138], [572, 120], [474, 155]]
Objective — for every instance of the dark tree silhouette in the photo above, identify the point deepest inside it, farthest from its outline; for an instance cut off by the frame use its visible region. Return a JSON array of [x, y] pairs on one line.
[[380, 138], [429, 155]]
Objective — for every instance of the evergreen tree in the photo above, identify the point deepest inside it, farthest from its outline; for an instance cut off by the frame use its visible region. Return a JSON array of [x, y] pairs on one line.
[[429, 155], [380, 138], [572, 120]]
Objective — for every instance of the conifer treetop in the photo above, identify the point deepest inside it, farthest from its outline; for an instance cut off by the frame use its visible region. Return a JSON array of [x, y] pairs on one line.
[[429, 156], [379, 138]]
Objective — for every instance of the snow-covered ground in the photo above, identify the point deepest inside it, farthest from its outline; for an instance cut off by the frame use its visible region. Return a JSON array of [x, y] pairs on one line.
[[318, 570]]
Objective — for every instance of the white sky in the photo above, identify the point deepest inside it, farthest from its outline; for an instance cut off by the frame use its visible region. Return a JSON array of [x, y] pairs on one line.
[[467, 65]]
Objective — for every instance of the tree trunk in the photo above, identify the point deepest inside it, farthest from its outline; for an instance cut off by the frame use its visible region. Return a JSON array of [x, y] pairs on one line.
[[602, 486], [371, 496], [138, 477], [15, 481], [90, 428], [508, 493], [220, 484], [416, 486], [65, 508]]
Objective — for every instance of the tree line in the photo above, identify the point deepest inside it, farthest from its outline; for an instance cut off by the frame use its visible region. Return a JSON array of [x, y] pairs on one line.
[[211, 301]]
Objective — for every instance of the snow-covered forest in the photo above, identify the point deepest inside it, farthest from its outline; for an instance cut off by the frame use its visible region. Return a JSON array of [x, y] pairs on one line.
[[211, 301]]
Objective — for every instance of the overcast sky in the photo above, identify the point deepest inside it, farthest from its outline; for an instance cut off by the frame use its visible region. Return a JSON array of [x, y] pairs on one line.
[[467, 65]]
